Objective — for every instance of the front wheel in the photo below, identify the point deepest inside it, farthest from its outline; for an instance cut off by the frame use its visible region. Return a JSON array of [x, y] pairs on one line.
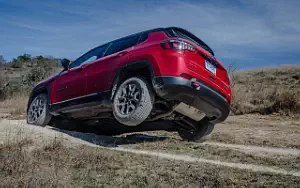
[[200, 133], [38, 112]]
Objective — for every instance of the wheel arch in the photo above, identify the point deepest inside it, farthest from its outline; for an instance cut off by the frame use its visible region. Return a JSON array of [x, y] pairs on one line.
[[141, 68], [36, 91]]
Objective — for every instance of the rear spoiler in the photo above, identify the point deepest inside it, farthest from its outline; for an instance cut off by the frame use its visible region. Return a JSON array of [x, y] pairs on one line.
[[170, 33]]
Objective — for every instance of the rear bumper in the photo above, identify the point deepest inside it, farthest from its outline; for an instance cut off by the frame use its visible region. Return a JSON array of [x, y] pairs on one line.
[[204, 98]]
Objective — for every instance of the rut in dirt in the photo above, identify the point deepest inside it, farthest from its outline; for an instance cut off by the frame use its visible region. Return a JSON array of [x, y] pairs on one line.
[[255, 149], [186, 158], [94, 140]]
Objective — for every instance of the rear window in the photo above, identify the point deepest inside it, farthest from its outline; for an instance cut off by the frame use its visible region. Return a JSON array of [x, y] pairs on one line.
[[188, 36]]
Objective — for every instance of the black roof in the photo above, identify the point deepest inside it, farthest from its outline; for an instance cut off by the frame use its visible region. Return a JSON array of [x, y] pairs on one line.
[[191, 35], [201, 43]]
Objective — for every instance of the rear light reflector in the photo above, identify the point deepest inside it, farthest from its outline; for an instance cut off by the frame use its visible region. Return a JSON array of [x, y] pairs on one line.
[[177, 45], [196, 85]]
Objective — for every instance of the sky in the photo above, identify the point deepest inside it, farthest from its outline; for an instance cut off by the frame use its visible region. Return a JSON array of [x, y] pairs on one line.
[[248, 34]]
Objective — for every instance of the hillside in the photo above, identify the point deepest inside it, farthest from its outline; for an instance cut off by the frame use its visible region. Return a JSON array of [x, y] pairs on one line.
[[22, 73], [267, 90]]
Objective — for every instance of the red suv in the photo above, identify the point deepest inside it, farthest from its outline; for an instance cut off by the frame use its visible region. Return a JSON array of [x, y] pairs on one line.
[[160, 75]]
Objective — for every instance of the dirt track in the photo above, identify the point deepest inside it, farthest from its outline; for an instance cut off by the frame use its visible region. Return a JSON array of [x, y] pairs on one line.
[[252, 143]]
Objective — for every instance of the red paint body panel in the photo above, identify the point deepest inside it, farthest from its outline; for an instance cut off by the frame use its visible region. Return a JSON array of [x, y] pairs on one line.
[[99, 73], [177, 63], [97, 76], [70, 84]]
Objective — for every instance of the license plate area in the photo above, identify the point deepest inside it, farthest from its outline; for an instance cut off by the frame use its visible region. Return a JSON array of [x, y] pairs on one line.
[[210, 67]]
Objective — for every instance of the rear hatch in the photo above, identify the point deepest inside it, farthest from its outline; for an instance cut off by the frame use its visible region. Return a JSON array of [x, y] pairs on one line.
[[203, 62], [211, 71]]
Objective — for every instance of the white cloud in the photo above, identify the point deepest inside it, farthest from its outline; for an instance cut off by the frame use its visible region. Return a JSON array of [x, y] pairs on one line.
[[242, 32], [239, 32]]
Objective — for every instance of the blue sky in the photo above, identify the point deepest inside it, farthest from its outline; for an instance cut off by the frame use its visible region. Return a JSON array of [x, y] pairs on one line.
[[250, 34]]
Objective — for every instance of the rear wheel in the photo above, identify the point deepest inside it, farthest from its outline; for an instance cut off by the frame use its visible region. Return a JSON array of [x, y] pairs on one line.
[[199, 132], [38, 112], [133, 101]]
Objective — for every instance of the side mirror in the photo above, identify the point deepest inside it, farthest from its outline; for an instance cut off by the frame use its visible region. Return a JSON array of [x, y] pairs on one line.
[[65, 63]]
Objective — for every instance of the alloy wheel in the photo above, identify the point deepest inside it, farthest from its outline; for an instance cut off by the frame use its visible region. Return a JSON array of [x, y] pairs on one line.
[[129, 98], [36, 109]]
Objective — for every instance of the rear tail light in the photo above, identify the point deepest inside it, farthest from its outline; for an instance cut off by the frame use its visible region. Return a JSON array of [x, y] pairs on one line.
[[177, 45], [227, 78]]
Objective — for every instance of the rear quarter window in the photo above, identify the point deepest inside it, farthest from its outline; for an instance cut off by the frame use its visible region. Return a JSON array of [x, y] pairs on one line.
[[143, 37], [122, 44]]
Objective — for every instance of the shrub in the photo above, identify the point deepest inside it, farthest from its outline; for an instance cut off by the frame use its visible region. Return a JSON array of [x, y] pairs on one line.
[[21, 74]]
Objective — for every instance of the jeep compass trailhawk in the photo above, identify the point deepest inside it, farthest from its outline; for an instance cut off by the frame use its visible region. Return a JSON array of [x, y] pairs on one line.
[[161, 75]]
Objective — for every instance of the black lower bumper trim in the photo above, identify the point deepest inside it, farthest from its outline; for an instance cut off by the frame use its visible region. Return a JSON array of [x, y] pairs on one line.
[[206, 99]]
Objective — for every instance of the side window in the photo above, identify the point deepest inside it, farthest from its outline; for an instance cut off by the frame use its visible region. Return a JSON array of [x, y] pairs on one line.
[[89, 56], [93, 58], [143, 37], [122, 44]]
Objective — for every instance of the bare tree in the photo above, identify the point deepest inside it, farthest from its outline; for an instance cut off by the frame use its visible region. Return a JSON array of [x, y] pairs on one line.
[[2, 60], [231, 70]]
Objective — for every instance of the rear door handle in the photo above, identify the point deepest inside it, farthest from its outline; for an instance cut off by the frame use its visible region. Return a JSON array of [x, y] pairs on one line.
[[122, 54], [61, 89], [83, 66]]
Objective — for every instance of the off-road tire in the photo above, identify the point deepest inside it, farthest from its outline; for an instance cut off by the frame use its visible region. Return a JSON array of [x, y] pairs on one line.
[[143, 107], [204, 129], [43, 115]]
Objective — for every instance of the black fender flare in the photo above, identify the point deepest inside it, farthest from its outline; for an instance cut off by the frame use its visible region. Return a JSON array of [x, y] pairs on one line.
[[36, 91], [132, 65]]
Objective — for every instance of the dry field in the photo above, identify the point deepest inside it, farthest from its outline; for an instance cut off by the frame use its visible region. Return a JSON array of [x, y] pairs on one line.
[[267, 90], [247, 150], [259, 146]]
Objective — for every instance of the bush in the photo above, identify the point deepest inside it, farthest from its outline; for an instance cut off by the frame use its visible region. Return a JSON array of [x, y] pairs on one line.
[[20, 75], [16, 64]]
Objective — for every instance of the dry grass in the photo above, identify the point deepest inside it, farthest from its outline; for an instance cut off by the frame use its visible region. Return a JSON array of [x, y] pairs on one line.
[[55, 165], [16, 106], [266, 91], [19, 76], [254, 130], [277, 131], [222, 153]]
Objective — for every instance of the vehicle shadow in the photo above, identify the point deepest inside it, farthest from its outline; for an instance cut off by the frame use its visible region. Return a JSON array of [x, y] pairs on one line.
[[111, 135]]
